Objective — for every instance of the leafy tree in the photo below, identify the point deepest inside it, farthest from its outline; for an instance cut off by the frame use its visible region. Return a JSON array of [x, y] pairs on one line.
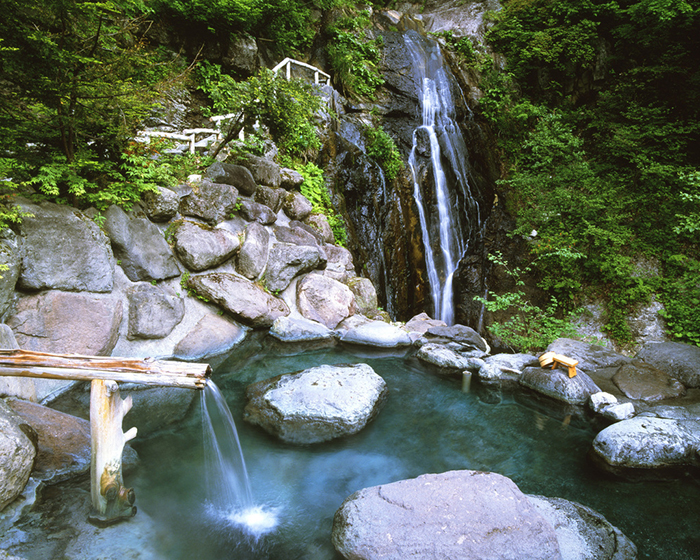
[[78, 80], [605, 171], [285, 108], [354, 55]]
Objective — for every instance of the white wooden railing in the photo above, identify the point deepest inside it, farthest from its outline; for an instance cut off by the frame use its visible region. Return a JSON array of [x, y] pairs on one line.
[[209, 135]]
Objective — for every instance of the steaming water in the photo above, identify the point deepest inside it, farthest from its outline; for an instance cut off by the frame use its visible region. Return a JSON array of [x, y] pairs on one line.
[[229, 498], [447, 227], [427, 425]]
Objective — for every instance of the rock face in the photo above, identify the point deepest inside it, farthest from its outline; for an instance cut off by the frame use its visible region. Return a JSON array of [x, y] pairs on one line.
[[64, 322], [139, 246], [451, 516], [17, 454], [63, 250], [680, 361], [318, 404], [11, 258], [645, 442], [244, 300]]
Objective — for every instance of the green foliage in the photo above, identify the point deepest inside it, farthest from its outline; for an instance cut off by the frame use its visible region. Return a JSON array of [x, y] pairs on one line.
[[382, 149], [609, 174], [354, 55], [530, 328], [314, 189], [681, 298], [285, 108], [78, 81]]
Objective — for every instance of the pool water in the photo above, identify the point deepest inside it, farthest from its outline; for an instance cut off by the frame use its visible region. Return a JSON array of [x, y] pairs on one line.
[[429, 424]]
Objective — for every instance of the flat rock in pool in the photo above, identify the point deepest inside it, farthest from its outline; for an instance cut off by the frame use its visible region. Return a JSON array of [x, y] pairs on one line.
[[317, 404]]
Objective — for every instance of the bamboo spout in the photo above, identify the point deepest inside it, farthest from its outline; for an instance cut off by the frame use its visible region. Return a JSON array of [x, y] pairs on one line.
[[25, 363], [111, 501]]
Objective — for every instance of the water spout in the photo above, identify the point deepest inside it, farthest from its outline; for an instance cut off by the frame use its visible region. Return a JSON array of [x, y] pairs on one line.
[[446, 217], [229, 497]]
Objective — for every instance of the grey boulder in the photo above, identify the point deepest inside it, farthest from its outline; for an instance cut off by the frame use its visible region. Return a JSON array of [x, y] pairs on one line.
[[62, 249], [286, 261], [324, 300], [252, 258], [17, 454], [234, 175], [161, 205], [450, 516], [67, 323], [680, 361], [139, 246], [646, 442], [583, 533], [317, 404], [297, 206], [200, 247], [377, 333], [557, 384], [590, 356], [154, 311], [246, 301], [211, 202]]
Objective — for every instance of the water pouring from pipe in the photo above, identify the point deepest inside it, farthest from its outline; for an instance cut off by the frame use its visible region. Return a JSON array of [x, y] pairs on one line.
[[229, 498]]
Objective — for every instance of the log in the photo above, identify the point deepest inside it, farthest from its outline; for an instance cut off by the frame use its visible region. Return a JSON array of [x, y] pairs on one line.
[[42, 365], [111, 501]]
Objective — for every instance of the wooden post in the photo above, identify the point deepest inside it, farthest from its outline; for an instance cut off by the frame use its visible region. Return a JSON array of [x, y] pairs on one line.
[[111, 501]]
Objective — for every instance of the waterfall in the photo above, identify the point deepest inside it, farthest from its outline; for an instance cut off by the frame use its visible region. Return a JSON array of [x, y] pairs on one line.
[[439, 158], [229, 497]]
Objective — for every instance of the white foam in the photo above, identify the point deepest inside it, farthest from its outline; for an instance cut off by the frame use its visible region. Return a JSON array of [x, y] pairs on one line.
[[256, 521]]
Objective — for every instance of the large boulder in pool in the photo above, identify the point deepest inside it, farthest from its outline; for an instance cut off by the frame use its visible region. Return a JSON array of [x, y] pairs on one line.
[[317, 404], [451, 516], [557, 384], [647, 443], [583, 533]]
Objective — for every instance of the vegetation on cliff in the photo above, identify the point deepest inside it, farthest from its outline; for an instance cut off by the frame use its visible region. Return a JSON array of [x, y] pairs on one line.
[[597, 116]]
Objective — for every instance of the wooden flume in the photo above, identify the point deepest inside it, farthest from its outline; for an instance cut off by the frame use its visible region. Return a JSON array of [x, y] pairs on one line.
[[111, 500]]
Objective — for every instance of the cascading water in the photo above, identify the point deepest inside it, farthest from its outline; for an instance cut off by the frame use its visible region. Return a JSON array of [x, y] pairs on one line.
[[439, 158], [229, 496]]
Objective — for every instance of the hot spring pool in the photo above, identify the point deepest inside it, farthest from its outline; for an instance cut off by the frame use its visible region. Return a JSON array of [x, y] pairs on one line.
[[428, 425]]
